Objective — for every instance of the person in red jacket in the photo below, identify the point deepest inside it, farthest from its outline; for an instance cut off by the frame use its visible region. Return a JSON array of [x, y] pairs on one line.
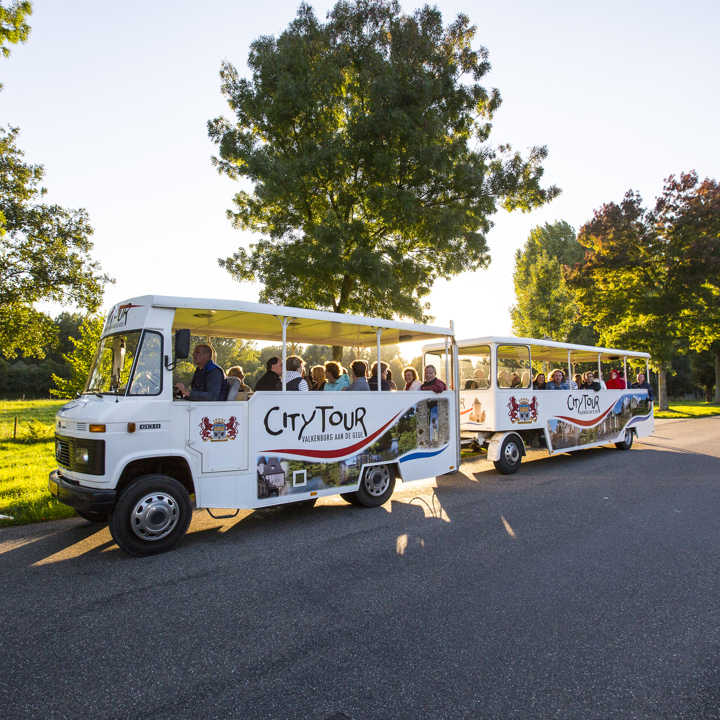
[[432, 381], [615, 382]]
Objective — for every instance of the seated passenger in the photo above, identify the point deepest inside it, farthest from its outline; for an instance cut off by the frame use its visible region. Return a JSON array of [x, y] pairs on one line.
[[432, 381], [578, 380], [515, 380], [503, 378], [641, 384], [208, 382], [294, 379], [539, 382], [237, 371], [271, 380], [471, 385], [358, 374], [590, 382], [411, 379], [556, 381], [481, 380], [318, 378], [388, 377], [384, 384], [526, 379], [335, 377], [615, 382]]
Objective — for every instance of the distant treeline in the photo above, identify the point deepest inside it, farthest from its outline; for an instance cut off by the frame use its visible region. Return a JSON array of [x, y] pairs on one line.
[[32, 376]]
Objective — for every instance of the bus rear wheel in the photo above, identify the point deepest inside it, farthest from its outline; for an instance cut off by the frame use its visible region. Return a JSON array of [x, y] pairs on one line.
[[510, 456], [151, 515], [627, 442], [376, 486]]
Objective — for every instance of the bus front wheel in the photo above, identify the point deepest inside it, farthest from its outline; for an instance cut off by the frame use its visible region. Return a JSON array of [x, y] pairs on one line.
[[376, 486], [627, 442], [151, 515], [510, 456]]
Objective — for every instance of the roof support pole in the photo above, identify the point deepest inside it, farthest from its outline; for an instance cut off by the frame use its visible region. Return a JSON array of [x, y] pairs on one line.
[[570, 371], [378, 333], [284, 321], [447, 363], [600, 377], [626, 378]]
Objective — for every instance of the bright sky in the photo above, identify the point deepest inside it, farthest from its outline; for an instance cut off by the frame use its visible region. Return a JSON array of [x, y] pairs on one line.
[[114, 98]]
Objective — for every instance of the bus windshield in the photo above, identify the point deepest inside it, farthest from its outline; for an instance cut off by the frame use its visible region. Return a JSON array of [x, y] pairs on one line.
[[114, 362]]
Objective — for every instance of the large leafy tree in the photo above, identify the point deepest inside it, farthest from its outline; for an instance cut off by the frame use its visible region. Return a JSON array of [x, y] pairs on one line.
[[646, 273], [544, 305], [366, 142], [44, 255]]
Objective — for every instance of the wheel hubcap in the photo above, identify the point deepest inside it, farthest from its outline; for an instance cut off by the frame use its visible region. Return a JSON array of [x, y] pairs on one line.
[[512, 453], [377, 480], [155, 516]]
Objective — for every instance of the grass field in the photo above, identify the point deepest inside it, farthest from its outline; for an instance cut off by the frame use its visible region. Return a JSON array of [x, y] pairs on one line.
[[688, 409], [26, 462]]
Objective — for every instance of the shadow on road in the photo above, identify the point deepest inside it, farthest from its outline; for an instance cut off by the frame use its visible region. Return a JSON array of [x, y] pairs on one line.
[[414, 513]]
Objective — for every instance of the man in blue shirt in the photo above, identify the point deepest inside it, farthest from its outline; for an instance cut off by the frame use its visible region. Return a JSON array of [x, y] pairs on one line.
[[557, 382], [208, 382]]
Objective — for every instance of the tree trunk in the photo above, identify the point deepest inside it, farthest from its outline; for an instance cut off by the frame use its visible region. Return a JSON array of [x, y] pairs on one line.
[[717, 377], [662, 388], [338, 353]]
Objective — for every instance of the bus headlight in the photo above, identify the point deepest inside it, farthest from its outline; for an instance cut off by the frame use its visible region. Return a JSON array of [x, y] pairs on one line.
[[82, 455]]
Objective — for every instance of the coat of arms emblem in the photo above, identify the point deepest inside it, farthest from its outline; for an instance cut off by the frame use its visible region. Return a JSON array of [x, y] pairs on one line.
[[523, 411], [220, 430]]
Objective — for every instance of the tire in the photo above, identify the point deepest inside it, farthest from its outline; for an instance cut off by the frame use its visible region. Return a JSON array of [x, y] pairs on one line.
[[351, 498], [510, 456], [626, 444], [95, 517], [376, 486], [151, 515]]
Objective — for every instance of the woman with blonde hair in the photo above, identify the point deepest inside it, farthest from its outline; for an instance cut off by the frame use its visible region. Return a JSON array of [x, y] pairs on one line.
[[318, 377]]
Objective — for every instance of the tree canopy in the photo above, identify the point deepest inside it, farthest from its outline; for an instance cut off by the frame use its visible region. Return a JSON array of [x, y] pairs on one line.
[[13, 24], [544, 305], [44, 255], [649, 275], [366, 140]]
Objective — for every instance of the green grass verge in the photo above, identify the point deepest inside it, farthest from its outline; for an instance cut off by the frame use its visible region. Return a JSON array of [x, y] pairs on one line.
[[25, 463], [688, 409]]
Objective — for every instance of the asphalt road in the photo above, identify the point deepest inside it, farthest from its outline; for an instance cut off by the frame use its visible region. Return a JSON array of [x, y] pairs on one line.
[[585, 586]]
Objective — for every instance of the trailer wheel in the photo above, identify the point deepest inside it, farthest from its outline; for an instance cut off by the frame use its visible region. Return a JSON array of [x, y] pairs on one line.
[[151, 515], [350, 497], [626, 444], [376, 486], [510, 456], [95, 517]]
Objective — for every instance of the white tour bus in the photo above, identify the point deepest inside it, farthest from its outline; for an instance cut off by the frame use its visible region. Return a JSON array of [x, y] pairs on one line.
[[500, 410], [130, 453]]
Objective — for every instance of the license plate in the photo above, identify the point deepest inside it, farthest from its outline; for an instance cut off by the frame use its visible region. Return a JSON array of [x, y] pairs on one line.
[[53, 487]]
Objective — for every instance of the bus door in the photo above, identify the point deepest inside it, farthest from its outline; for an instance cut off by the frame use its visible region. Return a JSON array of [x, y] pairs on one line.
[[218, 432]]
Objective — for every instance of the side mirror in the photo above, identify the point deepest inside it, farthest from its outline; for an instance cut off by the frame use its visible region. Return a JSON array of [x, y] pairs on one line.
[[182, 344], [182, 348]]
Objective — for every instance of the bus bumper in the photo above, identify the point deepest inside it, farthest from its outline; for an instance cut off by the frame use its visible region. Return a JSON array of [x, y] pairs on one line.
[[80, 498]]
